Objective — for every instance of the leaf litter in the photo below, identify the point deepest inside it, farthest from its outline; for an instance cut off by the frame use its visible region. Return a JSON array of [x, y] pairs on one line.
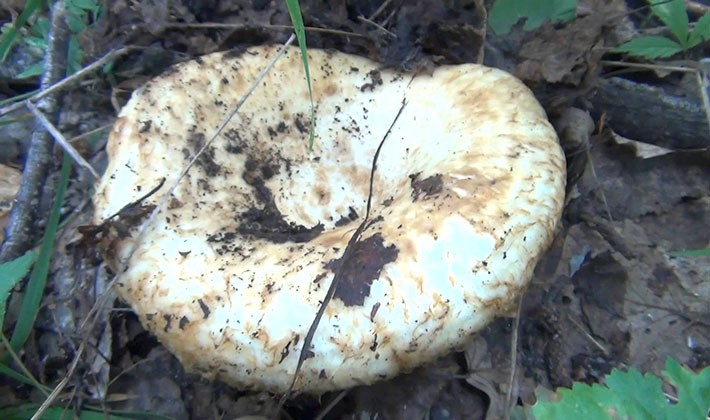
[[607, 295]]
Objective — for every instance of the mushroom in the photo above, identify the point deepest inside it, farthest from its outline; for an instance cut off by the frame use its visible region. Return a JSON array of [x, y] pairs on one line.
[[468, 187]]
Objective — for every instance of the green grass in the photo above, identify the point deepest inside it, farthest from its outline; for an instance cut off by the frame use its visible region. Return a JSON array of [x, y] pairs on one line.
[[294, 9]]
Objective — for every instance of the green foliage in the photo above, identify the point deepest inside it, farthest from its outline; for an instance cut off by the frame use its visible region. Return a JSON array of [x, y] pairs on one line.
[[294, 9], [11, 273], [674, 16], [78, 15], [38, 277], [631, 395], [506, 13], [691, 253]]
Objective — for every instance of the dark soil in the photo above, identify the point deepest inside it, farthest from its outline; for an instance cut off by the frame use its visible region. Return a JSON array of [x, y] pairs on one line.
[[608, 294]]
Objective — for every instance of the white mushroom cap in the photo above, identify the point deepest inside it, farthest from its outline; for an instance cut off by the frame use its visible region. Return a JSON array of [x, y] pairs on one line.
[[468, 188]]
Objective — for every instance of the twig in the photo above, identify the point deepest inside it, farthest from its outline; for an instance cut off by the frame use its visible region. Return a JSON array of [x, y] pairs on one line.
[[26, 210], [647, 66], [378, 26], [62, 83], [366, 223], [61, 385], [59, 138], [220, 25], [380, 9], [328, 408]]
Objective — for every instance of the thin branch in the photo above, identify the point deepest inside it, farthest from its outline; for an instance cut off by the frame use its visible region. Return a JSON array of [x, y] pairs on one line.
[[59, 138], [21, 227], [60, 83], [349, 249], [220, 25]]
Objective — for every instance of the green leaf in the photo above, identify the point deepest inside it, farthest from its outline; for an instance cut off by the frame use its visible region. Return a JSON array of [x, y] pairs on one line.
[[650, 47], [74, 55], [9, 37], [6, 371], [693, 391], [701, 32], [11, 273], [691, 253], [630, 395], [672, 13], [294, 9], [506, 13], [38, 278], [32, 70]]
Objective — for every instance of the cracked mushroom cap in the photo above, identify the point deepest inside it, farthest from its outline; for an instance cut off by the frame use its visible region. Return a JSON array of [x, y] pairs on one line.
[[468, 188]]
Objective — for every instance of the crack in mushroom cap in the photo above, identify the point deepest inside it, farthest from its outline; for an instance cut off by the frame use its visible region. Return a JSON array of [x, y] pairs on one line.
[[468, 189]]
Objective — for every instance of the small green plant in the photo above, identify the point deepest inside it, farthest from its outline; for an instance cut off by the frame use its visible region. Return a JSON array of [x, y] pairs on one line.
[[674, 16], [506, 13], [78, 15], [631, 395]]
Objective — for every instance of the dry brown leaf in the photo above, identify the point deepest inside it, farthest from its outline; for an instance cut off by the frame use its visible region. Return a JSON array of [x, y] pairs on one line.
[[9, 184]]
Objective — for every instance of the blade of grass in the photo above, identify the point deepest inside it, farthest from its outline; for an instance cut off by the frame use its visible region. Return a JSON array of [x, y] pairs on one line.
[[294, 9], [26, 375], [11, 35], [18, 98], [38, 278]]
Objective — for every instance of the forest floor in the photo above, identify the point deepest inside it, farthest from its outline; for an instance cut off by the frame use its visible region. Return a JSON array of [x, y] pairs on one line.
[[611, 292]]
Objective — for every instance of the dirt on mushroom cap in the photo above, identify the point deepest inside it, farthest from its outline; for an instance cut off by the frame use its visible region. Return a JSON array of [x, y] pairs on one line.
[[468, 188]]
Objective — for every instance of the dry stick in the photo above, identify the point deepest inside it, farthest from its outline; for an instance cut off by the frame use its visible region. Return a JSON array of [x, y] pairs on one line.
[[101, 302], [327, 409], [349, 249], [26, 210], [220, 25], [380, 9], [59, 138], [60, 83], [60, 386], [378, 26]]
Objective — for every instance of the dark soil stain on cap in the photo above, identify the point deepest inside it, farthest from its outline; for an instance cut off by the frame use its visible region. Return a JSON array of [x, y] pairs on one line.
[[361, 268]]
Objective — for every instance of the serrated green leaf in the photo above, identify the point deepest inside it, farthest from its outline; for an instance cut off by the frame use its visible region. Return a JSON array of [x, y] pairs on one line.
[[672, 13], [701, 31], [641, 396], [693, 391], [630, 395], [650, 47], [11, 273]]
